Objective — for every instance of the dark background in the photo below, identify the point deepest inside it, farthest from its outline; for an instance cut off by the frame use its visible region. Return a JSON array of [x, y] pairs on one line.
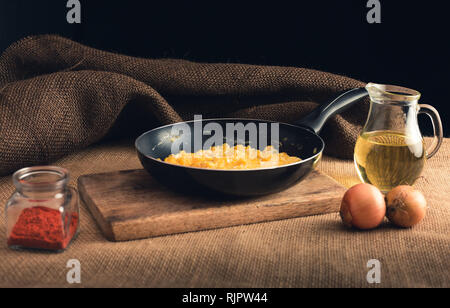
[[410, 47]]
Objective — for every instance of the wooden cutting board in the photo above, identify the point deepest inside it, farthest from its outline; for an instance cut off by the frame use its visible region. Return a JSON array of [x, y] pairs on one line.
[[130, 205]]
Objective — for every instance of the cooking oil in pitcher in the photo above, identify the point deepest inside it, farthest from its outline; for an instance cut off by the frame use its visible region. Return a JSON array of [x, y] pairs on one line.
[[387, 159], [390, 150]]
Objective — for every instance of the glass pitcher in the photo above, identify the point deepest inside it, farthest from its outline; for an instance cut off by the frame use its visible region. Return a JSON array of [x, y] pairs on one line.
[[390, 150]]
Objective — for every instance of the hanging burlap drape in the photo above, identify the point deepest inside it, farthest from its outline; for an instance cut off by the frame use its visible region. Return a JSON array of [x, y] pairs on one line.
[[57, 96]]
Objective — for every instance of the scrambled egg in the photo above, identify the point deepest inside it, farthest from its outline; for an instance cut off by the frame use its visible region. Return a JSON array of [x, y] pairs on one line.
[[232, 158]]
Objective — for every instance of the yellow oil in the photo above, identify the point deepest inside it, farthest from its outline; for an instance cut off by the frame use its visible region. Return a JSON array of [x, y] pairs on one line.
[[387, 159]]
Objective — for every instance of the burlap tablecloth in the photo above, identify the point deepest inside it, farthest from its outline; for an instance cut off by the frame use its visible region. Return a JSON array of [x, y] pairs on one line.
[[305, 252]]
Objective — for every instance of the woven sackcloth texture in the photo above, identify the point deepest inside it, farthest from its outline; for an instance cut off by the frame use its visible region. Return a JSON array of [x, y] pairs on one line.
[[305, 252], [57, 96]]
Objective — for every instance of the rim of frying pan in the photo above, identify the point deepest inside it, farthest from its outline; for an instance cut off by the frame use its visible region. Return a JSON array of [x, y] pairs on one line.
[[230, 170]]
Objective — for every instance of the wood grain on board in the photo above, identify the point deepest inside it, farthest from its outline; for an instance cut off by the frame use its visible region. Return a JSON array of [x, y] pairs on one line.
[[130, 205]]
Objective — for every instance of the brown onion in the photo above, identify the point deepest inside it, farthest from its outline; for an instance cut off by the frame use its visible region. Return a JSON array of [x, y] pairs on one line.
[[363, 207], [406, 207]]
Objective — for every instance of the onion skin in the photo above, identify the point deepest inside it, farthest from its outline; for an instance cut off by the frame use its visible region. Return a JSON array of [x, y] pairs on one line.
[[363, 207], [406, 207]]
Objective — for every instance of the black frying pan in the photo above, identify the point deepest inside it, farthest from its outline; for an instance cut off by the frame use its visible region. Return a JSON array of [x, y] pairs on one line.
[[301, 140]]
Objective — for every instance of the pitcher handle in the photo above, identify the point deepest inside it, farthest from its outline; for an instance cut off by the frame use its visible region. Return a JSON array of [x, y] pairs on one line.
[[437, 128]]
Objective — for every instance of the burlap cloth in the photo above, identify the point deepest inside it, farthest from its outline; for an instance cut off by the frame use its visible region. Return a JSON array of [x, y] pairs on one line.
[[305, 252], [57, 97]]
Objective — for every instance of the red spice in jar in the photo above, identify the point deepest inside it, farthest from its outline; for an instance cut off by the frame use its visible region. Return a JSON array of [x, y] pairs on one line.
[[42, 228]]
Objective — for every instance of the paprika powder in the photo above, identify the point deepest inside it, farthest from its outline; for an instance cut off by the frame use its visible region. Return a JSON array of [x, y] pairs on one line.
[[43, 212], [42, 228]]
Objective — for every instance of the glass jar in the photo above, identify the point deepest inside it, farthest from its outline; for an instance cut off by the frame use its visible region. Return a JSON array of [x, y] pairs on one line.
[[390, 150], [43, 212]]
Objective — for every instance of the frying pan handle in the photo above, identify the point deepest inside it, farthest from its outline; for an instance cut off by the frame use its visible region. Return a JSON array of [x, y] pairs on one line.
[[317, 118]]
